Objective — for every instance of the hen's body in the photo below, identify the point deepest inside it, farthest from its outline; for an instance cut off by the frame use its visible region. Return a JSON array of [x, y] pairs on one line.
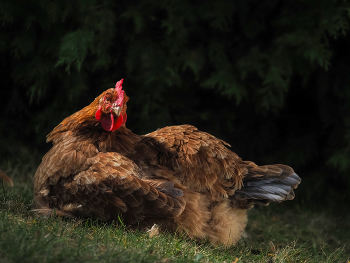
[[178, 177]]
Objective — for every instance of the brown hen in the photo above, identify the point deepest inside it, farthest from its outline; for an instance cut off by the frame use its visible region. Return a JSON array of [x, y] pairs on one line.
[[178, 177]]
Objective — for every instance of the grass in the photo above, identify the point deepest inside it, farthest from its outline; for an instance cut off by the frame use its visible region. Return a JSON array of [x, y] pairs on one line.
[[279, 233]]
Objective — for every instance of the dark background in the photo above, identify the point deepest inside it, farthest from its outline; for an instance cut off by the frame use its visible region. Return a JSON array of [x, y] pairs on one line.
[[269, 77]]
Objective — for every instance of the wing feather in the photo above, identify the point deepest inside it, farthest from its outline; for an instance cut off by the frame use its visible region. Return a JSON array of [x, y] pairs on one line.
[[201, 161], [109, 187]]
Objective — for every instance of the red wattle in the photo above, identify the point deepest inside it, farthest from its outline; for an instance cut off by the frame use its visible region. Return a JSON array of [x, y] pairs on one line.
[[108, 123], [118, 123], [98, 113]]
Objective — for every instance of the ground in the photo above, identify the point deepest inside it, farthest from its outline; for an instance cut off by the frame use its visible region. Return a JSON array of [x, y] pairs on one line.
[[288, 232]]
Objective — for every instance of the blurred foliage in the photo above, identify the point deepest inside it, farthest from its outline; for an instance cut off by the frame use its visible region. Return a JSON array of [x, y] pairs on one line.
[[269, 77]]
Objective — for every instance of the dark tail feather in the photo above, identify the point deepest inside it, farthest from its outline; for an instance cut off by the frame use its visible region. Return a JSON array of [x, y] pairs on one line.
[[265, 184]]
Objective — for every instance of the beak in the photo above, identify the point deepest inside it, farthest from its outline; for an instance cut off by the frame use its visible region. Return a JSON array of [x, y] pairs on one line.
[[116, 110]]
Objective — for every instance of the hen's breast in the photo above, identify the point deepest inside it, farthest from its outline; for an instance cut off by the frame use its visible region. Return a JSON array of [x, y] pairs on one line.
[[64, 160]]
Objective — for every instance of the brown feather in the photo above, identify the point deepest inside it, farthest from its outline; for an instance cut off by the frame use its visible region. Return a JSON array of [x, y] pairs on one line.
[[179, 177]]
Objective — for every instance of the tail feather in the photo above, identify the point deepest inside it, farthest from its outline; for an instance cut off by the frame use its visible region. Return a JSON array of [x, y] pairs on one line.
[[265, 184]]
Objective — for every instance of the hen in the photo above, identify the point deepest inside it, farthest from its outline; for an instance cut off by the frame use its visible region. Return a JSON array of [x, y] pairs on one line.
[[177, 177]]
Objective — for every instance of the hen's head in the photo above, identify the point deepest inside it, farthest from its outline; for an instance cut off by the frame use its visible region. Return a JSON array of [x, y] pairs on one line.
[[111, 111]]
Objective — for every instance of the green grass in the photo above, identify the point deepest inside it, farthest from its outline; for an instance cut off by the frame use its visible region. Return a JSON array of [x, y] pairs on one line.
[[278, 233]]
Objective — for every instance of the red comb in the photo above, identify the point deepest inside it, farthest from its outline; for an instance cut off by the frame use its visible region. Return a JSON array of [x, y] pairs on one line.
[[120, 92], [118, 85]]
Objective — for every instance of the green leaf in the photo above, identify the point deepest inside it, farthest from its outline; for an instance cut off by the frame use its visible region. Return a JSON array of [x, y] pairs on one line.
[[74, 48]]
